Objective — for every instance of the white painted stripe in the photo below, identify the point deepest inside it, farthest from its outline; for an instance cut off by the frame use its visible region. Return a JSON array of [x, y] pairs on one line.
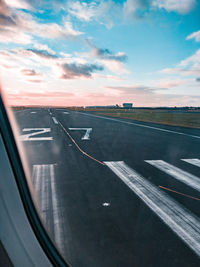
[[44, 185], [183, 176], [66, 112], [42, 193], [33, 112], [140, 125], [185, 224], [57, 223], [36, 180], [54, 120], [195, 162]]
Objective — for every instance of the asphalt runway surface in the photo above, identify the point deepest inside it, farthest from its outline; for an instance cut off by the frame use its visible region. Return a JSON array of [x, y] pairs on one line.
[[114, 192]]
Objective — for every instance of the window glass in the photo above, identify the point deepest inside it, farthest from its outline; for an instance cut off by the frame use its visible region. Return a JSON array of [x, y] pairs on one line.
[[106, 98]]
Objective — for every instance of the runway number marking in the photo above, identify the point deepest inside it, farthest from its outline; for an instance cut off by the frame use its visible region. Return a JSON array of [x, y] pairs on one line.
[[87, 133], [37, 131]]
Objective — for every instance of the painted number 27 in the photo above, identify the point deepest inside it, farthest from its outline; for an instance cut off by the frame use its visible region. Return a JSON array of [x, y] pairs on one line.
[[87, 133], [34, 132]]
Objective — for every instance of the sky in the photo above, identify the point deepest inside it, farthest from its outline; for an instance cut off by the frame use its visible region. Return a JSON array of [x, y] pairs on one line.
[[84, 53]]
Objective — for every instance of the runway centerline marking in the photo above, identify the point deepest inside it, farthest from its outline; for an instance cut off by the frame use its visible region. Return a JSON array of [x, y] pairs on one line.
[[87, 133], [54, 120], [180, 220], [195, 162], [37, 131], [182, 176], [140, 125]]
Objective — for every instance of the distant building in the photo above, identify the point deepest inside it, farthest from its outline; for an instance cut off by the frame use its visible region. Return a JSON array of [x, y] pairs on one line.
[[127, 105]]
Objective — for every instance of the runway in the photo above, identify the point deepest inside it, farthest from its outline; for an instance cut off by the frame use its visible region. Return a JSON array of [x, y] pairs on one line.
[[115, 192]]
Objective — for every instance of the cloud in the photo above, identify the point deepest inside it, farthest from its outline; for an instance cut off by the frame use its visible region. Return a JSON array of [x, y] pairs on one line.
[[42, 53], [20, 4], [145, 96], [74, 70], [4, 9], [179, 6], [140, 8], [133, 89], [10, 26], [194, 35], [8, 59], [32, 56], [101, 11], [17, 26], [114, 62], [35, 81], [82, 10], [43, 93], [53, 30], [108, 55], [108, 77], [44, 47], [136, 8], [44, 97], [30, 72], [105, 53], [167, 84], [189, 66], [51, 65], [46, 30]]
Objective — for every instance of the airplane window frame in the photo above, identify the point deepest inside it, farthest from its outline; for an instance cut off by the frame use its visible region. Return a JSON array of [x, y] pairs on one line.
[[21, 181]]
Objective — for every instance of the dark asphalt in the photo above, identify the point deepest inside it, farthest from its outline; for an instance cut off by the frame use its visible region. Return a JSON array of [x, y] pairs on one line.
[[103, 222]]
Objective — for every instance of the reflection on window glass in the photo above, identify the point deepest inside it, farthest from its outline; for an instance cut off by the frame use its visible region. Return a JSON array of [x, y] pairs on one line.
[[106, 98]]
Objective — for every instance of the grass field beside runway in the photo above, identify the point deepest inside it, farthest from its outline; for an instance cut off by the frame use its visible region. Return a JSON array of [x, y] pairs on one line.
[[175, 118]]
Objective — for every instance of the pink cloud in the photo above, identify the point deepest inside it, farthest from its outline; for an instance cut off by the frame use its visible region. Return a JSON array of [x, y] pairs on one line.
[[30, 72], [18, 26], [166, 84], [43, 98]]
